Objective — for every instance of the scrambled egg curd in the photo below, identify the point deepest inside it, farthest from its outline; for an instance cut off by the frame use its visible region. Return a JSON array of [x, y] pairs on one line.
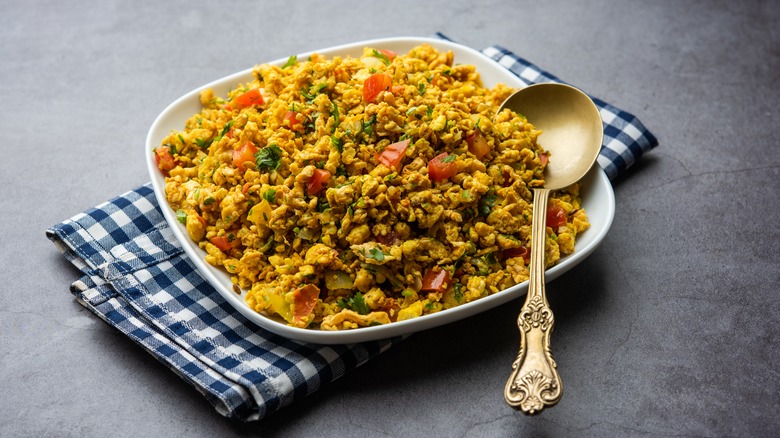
[[348, 192]]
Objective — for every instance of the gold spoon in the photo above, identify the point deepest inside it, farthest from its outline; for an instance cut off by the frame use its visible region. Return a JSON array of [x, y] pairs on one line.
[[572, 132]]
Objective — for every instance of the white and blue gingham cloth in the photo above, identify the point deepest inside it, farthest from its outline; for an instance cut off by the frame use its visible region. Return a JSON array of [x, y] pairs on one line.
[[137, 278]]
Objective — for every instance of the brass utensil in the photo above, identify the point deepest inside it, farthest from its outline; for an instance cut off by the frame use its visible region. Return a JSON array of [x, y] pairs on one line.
[[572, 131]]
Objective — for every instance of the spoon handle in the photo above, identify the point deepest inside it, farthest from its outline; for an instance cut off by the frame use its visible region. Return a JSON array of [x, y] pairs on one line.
[[534, 383]]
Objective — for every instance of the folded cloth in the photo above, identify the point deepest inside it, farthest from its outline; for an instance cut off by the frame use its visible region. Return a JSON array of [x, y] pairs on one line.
[[137, 278]]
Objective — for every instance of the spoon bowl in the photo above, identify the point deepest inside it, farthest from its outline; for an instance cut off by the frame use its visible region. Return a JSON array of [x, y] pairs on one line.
[[572, 131]]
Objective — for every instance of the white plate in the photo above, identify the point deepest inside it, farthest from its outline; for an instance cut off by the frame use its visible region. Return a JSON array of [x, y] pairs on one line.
[[597, 195]]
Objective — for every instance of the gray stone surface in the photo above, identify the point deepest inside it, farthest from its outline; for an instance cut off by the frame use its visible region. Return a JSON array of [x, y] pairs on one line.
[[669, 329]]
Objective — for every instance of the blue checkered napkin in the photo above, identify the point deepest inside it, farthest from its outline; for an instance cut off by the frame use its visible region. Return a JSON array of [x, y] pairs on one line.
[[138, 279], [625, 137]]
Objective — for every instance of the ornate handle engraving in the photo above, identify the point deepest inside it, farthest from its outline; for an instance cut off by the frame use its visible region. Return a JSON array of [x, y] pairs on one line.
[[534, 382]]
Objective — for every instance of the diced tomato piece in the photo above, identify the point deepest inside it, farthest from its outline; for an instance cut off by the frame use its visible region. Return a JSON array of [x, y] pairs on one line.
[[556, 216], [436, 280], [391, 308], [165, 161], [392, 155], [291, 117], [304, 300], [375, 84], [389, 239], [478, 145], [319, 180], [440, 168], [248, 98], [397, 89], [221, 242], [543, 158], [245, 153], [389, 53], [522, 251]]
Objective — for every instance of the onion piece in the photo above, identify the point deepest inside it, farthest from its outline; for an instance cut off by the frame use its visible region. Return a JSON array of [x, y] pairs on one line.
[[306, 233], [371, 62], [337, 280]]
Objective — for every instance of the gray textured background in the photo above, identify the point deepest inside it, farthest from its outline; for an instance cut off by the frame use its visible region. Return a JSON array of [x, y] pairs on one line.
[[669, 329]]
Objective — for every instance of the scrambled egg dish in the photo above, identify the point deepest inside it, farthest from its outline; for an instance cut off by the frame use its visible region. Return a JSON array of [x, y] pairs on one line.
[[348, 192]]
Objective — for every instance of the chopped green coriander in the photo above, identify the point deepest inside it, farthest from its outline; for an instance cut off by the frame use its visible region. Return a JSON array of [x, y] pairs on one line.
[[486, 204], [449, 158], [270, 195], [269, 158], [322, 204], [376, 54], [267, 245], [208, 201], [345, 183], [356, 304], [312, 92], [226, 128], [335, 113], [320, 87], [376, 254], [291, 61], [336, 143], [458, 291], [203, 144], [368, 126], [181, 216]]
